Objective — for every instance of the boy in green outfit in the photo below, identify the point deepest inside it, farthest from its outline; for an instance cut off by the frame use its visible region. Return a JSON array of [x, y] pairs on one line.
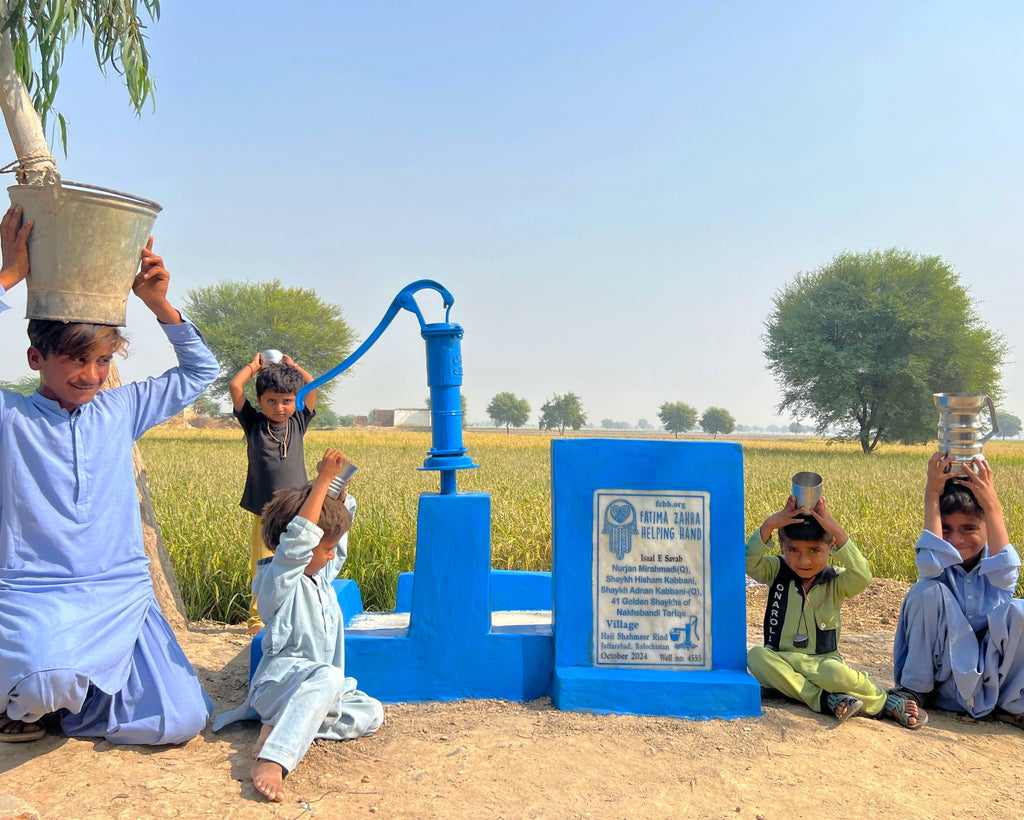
[[800, 657]]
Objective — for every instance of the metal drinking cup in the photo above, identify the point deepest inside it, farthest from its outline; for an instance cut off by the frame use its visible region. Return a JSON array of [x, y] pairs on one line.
[[807, 489]]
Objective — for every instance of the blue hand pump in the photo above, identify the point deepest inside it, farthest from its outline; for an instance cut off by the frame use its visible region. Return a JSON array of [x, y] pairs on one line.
[[444, 377]]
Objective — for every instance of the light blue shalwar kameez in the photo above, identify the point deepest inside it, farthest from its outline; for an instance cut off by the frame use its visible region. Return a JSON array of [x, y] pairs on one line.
[[961, 634], [299, 686], [80, 628]]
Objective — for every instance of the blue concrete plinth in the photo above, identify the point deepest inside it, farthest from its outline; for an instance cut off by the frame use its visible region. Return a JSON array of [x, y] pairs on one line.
[[511, 589], [449, 650], [586, 473], [696, 695]]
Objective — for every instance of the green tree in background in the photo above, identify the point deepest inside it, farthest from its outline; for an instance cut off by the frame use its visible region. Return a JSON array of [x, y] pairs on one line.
[[1009, 425], [26, 385], [238, 319], [562, 411], [860, 345], [717, 420], [508, 409], [325, 418], [677, 416], [643, 424], [205, 406]]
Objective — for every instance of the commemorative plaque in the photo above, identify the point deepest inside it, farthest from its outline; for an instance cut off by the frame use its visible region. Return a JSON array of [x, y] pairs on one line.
[[651, 575]]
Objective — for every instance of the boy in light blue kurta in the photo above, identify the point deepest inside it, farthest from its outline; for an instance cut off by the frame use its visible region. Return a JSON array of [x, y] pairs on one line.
[[81, 633], [299, 690], [960, 638]]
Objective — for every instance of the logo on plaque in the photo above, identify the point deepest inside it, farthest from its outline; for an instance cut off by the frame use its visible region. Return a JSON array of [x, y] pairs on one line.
[[652, 603], [620, 527]]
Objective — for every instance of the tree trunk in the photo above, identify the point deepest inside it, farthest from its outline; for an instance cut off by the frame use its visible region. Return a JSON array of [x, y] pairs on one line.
[[165, 585], [35, 163]]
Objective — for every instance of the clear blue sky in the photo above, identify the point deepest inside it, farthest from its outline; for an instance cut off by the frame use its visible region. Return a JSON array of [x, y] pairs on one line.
[[612, 191]]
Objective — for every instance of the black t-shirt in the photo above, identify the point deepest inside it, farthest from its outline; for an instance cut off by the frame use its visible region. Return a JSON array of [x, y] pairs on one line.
[[276, 457]]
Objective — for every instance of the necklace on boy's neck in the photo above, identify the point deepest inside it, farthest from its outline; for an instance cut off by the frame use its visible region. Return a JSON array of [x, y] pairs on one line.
[[283, 442]]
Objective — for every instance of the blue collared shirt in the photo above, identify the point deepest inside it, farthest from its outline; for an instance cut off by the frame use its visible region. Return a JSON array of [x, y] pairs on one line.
[[74, 577], [991, 582]]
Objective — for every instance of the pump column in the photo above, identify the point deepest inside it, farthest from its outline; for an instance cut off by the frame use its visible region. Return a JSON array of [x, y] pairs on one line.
[[444, 377]]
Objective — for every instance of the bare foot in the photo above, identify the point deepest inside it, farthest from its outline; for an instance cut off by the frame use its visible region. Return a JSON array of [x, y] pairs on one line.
[[265, 731], [911, 709], [253, 630], [844, 706], [268, 778], [901, 706]]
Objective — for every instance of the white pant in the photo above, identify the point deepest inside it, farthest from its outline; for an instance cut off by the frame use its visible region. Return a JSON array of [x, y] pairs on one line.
[[311, 703]]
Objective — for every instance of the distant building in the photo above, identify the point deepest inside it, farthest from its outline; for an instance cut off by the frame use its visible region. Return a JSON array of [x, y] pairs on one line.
[[401, 417], [412, 417]]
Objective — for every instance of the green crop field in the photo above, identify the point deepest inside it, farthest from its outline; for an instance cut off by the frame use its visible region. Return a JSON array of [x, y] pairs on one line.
[[196, 481]]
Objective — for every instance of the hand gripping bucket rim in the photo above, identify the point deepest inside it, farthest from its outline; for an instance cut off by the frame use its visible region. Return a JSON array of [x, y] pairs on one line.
[[84, 249]]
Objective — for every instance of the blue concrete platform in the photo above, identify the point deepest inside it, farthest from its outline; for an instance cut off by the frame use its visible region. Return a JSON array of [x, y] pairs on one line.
[[511, 589], [449, 650]]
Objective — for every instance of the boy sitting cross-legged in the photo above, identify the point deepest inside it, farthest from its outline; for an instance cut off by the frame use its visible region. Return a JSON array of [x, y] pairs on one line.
[[299, 690], [958, 642], [800, 657]]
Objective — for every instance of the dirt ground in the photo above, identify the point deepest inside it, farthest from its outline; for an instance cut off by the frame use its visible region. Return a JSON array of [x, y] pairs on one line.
[[489, 759]]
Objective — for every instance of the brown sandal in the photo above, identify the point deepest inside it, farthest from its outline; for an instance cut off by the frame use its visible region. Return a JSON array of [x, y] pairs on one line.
[[19, 735]]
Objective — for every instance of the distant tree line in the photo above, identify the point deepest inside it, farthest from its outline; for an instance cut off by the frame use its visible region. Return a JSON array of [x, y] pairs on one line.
[[680, 417]]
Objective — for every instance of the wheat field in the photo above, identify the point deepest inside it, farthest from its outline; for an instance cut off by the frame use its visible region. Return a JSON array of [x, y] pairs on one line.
[[196, 479]]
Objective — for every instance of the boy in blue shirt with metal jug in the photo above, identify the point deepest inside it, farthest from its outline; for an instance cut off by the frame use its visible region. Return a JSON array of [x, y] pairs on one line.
[[958, 640]]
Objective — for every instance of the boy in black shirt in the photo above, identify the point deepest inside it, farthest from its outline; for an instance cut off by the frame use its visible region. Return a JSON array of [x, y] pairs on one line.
[[273, 436]]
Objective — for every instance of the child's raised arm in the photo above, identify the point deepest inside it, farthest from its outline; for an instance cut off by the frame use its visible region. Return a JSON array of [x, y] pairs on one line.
[[934, 485], [981, 483], [829, 524], [236, 387], [14, 245], [150, 286], [307, 376], [776, 521], [327, 469]]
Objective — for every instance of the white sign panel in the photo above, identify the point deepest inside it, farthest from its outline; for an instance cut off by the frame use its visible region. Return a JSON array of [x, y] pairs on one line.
[[652, 603]]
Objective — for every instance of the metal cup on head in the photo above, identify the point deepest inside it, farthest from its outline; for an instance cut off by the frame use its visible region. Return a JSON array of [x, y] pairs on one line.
[[807, 489], [341, 479], [961, 431], [272, 356]]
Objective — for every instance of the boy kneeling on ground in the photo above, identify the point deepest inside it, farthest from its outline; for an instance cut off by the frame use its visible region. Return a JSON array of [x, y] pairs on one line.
[[958, 641], [800, 657]]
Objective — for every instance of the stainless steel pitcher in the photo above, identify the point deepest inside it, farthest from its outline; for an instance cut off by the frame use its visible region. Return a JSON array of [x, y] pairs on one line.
[[961, 430]]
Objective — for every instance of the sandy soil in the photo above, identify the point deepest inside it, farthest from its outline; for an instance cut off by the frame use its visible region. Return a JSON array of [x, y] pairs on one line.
[[484, 759]]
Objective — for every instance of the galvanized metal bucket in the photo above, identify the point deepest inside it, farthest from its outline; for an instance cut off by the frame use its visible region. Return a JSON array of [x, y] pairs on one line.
[[84, 249]]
